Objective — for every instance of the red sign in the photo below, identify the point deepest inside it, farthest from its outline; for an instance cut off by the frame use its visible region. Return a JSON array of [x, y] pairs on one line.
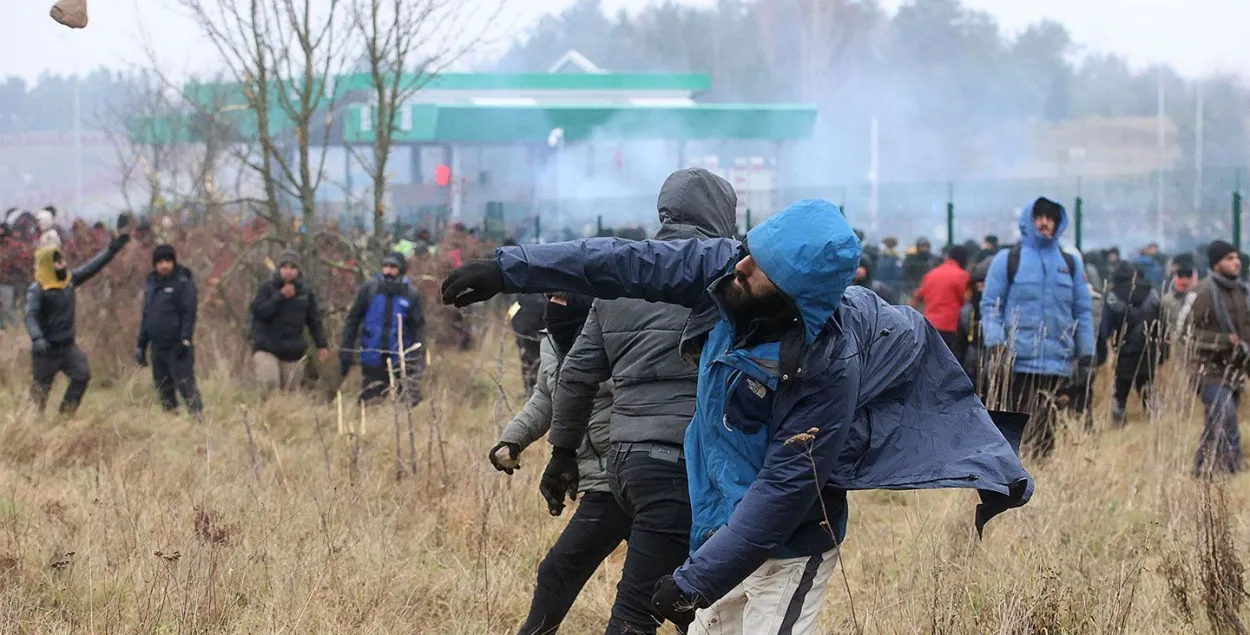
[[442, 175]]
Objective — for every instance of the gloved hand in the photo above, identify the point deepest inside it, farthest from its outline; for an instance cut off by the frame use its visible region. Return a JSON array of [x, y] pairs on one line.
[[508, 462], [345, 363], [477, 281], [117, 244], [674, 604], [141, 356], [1084, 371], [39, 346], [559, 479]]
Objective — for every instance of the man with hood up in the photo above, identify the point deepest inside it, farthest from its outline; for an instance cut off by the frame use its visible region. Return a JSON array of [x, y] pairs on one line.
[[599, 524], [634, 344], [386, 323], [1036, 316], [283, 308], [169, 312], [50, 320], [807, 389], [1132, 325]]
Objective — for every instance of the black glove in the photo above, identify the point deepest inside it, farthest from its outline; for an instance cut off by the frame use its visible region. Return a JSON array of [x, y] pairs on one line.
[[1084, 370], [124, 221], [478, 281], [120, 242], [345, 363], [141, 356], [514, 451], [559, 479], [674, 604], [39, 346]]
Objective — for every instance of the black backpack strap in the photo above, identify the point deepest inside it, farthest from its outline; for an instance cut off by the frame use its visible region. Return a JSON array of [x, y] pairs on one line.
[[1013, 264]]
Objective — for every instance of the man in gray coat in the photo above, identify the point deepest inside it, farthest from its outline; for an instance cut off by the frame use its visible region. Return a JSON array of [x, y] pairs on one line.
[[636, 344], [599, 524]]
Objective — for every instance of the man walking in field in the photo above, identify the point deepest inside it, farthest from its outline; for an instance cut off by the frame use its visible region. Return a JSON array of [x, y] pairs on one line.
[[168, 325], [283, 308], [387, 325], [807, 389], [1219, 339], [51, 316], [1037, 322]]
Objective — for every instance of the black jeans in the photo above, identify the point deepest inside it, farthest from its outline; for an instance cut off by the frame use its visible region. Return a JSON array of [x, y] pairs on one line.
[[1132, 372], [173, 372], [1037, 396], [652, 489], [593, 533], [376, 383], [63, 359]]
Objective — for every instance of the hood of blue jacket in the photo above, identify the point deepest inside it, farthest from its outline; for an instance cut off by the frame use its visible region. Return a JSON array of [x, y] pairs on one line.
[[1028, 233], [811, 253]]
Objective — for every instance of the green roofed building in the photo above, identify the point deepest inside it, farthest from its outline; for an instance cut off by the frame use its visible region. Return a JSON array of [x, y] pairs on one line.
[[570, 144]]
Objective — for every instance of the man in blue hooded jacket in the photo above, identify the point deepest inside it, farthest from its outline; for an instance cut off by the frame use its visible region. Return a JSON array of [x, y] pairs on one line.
[[807, 389], [1036, 308], [387, 322]]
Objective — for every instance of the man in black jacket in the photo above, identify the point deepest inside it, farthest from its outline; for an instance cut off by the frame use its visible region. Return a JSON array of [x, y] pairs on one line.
[[635, 344], [386, 308], [169, 310], [1131, 324], [284, 306], [50, 319]]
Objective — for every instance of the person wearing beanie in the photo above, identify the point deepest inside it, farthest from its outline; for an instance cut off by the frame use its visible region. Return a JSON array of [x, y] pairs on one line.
[[1037, 322], [51, 314], [283, 309], [1184, 278], [168, 327], [942, 293], [599, 524], [1216, 329], [387, 327]]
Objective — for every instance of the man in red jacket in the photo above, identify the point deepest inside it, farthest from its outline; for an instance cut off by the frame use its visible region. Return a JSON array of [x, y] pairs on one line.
[[942, 292]]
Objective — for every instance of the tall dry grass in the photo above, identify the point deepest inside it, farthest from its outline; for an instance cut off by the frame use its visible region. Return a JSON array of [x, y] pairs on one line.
[[266, 519]]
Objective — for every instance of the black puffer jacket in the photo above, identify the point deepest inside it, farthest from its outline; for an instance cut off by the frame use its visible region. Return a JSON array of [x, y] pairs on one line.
[[636, 344], [169, 309], [51, 305], [1131, 316], [278, 323]]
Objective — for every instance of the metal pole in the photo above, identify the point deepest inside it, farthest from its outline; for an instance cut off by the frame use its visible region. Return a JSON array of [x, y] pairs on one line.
[[1077, 209], [538, 227], [950, 214], [1162, 141], [1198, 149], [77, 148], [748, 219], [874, 160], [599, 225], [1237, 213]]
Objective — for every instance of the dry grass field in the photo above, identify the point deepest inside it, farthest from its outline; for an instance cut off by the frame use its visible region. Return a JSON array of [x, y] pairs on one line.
[[267, 520]]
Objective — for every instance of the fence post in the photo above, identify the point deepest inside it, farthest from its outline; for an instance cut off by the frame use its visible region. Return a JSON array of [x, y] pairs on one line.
[[1077, 214], [599, 225], [538, 228], [1237, 213], [748, 219], [950, 214]]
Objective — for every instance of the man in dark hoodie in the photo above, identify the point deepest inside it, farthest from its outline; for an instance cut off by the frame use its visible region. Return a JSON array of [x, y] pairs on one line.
[[389, 310], [1131, 324], [169, 311], [863, 278], [634, 343], [50, 320], [284, 306], [918, 261]]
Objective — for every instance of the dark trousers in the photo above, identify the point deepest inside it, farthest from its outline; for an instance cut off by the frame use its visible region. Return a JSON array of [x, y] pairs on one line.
[[1132, 372], [64, 359], [1038, 396], [530, 360], [593, 533], [652, 489], [1219, 449], [173, 372], [376, 383]]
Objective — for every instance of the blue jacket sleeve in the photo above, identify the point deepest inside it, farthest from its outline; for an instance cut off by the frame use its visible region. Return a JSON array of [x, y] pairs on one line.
[[670, 271], [994, 302], [783, 493], [1083, 312]]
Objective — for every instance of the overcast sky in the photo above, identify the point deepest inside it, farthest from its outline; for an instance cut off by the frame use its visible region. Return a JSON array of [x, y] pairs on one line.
[[1196, 36]]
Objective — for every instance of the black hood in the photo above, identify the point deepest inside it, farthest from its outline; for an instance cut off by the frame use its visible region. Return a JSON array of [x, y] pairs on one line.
[[1129, 283], [695, 203]]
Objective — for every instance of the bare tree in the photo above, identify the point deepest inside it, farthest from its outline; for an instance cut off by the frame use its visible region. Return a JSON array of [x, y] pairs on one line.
[[407, 43]]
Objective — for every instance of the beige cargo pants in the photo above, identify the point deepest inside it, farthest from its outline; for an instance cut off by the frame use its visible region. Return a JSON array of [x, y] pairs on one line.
[[273, 373], [782, 597]]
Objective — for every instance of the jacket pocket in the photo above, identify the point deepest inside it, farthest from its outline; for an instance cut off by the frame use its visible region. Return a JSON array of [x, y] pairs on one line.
[[749, 404]]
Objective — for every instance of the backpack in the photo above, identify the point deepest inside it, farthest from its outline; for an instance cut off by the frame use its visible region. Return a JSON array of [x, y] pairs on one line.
[[1013, 264]]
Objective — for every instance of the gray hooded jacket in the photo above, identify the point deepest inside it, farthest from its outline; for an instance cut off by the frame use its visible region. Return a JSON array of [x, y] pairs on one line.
[[636, 343], [533, 421]]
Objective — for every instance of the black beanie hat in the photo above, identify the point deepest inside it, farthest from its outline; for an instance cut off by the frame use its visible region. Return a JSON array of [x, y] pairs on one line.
[[1218, 249], [397, 260], [164, 252]]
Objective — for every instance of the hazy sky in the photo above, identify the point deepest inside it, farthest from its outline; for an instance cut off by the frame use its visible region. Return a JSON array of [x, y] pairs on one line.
[[1196, 36]]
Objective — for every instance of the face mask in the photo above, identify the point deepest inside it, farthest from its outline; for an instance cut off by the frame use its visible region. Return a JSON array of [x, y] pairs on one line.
[[565, 321]]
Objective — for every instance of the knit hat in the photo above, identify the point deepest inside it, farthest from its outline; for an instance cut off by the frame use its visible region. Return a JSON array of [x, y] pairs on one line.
[[289, 258], [1218, 249], [164, 252], [397, 260]]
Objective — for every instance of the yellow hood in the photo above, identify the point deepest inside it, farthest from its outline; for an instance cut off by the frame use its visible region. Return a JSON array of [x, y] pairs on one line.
[[45, 269]]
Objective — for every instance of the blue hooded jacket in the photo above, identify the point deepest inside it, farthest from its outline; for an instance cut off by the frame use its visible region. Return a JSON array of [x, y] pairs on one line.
[[381, 308], [857, 394], [1045, 312]]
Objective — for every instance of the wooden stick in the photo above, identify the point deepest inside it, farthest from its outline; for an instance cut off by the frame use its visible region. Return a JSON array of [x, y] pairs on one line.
[[339, 402]]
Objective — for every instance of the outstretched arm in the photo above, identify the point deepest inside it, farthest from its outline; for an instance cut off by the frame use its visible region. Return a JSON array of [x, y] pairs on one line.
[[92, 267]]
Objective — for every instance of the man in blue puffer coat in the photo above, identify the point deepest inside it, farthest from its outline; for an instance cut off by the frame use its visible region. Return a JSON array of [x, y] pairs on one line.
[[388, 324], [807, 389], [1039, 313]]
